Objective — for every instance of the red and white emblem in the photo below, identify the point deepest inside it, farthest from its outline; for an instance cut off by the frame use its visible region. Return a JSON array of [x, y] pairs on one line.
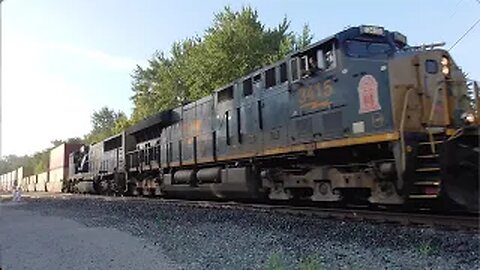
[[368, 94]]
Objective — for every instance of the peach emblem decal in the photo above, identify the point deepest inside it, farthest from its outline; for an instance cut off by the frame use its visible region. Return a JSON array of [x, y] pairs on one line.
[[368, 94]]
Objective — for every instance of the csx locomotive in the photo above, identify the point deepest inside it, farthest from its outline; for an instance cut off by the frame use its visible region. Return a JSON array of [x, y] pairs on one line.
[[359, 116]]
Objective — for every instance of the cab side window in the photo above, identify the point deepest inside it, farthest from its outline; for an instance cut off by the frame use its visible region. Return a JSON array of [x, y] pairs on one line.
[[329, 58], [313, 61]]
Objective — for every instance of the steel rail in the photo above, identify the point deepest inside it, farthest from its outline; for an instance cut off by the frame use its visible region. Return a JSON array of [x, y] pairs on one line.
[[451, 221]]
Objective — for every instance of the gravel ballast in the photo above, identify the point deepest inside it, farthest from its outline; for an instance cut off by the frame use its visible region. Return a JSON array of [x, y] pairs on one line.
[[202, 238]]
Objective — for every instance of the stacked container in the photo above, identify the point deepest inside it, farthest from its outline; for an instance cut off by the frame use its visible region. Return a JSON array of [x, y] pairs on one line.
[[19, 175], [32, 183], [14, 179], [26, 184], [2, 183], [9, 181], [42, 180], [58, 166]]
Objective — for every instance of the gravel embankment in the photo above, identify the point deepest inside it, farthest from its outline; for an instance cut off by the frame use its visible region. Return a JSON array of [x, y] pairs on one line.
[[231, 239]]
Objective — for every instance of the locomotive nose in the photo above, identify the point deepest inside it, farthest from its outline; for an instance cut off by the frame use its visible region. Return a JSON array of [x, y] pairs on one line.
[[459, 161], [451, 108]]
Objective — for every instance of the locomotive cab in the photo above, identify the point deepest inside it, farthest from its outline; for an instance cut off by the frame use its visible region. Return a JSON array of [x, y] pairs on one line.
[[339, 97], [365, 86]]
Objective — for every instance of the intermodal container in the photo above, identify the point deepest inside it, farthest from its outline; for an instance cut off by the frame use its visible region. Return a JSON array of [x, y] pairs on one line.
[[2, 182], [32, 183], [20, 172], [9, 181], [56, 178], [42, 180], [59, 155], [25, 184]]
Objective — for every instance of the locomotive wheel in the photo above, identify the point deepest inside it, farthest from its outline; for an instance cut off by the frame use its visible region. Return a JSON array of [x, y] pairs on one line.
[[459, 160]]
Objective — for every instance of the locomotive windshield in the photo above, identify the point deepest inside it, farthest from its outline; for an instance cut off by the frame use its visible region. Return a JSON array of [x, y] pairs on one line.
[[367, 49]]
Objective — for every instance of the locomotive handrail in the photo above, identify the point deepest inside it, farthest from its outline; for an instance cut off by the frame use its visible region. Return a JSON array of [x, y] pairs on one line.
[[430, 119], [456, 134], [476, 92], [424, 47], [402, 126]]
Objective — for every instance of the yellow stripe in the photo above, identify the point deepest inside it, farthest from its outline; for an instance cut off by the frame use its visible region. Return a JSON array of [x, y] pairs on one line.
[[187, 162], [237, 156], [450, 131], [308, 147], [174, 164], [202, 160], [359, 140], [289, 149], [205, 160]]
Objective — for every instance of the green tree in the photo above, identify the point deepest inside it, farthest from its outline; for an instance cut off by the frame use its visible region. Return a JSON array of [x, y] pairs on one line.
[[235, 44], [103, 123], [35, 163], [73, 140], [121, 124], [40, 161], [12, 162], [56, 143]]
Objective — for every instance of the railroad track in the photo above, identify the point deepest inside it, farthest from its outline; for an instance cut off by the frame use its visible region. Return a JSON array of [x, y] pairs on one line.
[[460, 221]]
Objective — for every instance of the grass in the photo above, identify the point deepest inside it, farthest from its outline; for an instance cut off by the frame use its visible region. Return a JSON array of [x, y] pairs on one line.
[[275, 262], [310, 263], [426, 248]]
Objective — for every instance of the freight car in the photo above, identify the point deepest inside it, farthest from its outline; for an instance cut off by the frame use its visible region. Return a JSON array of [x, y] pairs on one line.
[[359, 116]]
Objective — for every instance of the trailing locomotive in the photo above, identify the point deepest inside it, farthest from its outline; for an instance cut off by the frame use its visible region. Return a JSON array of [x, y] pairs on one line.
[[358, 116]]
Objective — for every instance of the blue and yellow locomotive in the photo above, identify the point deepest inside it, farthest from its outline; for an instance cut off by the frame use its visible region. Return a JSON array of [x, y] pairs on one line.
[[358, 116]]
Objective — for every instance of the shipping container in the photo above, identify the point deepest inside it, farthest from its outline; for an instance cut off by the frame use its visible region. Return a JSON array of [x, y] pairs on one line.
[[2, 183], [14, 178], [5, 182], [58, 167], [32, 183], [20, 173], [40, 187], [42, 177], [9, 181], [57, 175], [59, 155], [56, 178], [42, 180], [25, 184], [54, 187]]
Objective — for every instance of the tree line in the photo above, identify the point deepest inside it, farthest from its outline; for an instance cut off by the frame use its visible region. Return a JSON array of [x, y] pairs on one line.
[[235, 44]]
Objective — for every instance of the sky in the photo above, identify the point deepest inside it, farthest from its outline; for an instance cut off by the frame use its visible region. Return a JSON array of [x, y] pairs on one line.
[[63, 59]]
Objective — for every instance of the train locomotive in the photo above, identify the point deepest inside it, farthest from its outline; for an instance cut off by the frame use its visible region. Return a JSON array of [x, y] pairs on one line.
[[359, 116]]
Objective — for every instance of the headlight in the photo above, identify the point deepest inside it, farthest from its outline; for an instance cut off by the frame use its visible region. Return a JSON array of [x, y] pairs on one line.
[[445, 70], [444, 61], [468, 118]]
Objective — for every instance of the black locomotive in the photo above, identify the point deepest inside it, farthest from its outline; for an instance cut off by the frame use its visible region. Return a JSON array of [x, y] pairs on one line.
[[357, 116]]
